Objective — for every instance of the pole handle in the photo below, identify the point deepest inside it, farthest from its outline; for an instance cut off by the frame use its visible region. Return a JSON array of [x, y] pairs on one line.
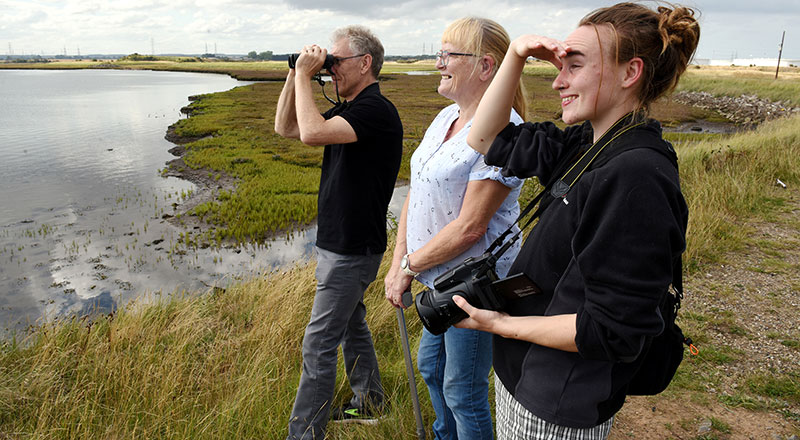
[[407, 298], [412, 383]]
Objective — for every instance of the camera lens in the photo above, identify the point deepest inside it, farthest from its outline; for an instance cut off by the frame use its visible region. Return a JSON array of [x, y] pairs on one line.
[[437, 311]]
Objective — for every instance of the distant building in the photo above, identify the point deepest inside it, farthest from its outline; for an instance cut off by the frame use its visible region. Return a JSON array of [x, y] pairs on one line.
[[768, 62]]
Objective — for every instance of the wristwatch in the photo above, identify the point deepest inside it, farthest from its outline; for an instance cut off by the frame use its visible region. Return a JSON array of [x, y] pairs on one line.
[[406, 266]]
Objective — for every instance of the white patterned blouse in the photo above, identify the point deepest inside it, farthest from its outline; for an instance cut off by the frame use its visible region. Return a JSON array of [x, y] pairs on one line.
[[440, 172]]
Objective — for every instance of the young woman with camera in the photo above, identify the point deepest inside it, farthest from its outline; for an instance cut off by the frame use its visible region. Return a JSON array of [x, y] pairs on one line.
[[456, 207], [603, 253]]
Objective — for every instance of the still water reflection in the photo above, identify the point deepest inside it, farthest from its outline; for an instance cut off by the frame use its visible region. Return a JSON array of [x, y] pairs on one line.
[[81, 197]]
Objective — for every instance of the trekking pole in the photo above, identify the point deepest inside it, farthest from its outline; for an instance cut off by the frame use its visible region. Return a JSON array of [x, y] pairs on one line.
[[401, 321]]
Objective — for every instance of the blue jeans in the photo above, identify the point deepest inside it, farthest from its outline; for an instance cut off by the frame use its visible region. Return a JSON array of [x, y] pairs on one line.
[[455, 366], [337, 317]]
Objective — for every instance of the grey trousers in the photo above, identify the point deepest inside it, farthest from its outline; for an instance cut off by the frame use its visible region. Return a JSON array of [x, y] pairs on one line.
[[337, 317]]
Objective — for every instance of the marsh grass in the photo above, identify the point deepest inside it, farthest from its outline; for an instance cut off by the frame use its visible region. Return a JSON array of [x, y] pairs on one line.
[[279, 177], [727, 179], [225, 363]]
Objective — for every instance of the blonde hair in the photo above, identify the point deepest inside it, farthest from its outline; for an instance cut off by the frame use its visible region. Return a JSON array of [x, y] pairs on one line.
[[481, 36]]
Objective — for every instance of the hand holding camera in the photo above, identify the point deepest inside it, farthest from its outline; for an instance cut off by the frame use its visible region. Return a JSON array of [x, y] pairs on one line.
[[478, 319], [476, 281]]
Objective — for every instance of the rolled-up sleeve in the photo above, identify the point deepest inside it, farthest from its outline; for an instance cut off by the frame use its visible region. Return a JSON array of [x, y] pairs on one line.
[[530, 149], [482, 171]]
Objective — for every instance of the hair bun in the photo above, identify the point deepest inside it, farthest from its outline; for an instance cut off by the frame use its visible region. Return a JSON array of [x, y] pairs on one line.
[[679, 29]]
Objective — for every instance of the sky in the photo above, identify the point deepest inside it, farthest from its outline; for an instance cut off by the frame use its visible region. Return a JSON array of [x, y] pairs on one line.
[[729, 28]]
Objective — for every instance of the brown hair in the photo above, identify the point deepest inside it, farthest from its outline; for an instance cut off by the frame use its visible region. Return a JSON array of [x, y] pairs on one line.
[[482, 36], [665, 40]]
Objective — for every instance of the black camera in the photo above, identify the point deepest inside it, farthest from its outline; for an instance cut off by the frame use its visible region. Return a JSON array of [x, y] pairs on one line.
[[330, 60], [477, 282]]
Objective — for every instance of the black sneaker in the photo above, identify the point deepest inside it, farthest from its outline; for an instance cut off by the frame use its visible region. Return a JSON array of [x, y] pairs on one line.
[[352, 414]]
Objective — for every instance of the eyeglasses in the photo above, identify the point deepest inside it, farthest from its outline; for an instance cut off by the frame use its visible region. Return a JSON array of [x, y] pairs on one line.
[[337, 60], [444, 56]]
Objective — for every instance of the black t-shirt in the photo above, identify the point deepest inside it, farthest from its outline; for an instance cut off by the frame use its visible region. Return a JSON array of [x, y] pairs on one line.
[[605, 252], [358, 178]]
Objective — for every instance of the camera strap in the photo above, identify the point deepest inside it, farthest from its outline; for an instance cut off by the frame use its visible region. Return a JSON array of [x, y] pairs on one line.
[[560, 187], [318, 78]]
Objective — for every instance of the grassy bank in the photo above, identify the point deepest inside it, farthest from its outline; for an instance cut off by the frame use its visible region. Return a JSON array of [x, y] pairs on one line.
[[743, 265], [733, 81], [735, 179], [278, 177]]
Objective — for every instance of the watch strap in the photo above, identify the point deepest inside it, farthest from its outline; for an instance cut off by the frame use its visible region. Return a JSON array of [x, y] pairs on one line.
[[405, 265]]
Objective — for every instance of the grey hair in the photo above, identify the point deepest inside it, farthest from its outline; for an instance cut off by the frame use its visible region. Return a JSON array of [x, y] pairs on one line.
[[362, 40]]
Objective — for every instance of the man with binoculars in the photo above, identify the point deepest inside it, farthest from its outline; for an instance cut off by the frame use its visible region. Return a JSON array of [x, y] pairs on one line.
[[363, 144]]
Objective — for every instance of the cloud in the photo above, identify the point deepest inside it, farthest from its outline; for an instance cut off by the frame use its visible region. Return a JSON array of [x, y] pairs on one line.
[[405, 27], [355, 7]]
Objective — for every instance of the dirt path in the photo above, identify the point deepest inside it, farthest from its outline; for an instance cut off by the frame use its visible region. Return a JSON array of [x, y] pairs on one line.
[[745, 312]]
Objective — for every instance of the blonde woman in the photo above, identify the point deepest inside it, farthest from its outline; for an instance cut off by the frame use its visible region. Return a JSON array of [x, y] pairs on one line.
[[456, 206]]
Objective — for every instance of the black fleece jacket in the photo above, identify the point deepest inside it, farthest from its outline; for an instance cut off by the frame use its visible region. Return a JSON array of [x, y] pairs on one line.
[[604, 252]]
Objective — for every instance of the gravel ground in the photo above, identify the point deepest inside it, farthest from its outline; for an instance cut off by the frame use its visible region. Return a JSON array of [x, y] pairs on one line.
[[746, 110], [751, 303]]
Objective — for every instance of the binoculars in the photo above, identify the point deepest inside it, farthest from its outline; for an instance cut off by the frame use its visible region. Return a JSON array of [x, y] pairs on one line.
[[330, 60]]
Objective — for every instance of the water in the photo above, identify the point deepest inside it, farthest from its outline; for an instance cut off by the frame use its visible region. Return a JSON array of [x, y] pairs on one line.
[[82, 199]]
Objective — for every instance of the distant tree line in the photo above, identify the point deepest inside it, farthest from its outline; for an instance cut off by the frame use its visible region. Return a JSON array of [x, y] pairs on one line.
[[260, 56], [26, 59], [136, 57], [408, 58]]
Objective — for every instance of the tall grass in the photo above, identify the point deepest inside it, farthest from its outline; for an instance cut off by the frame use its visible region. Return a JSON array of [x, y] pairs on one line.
[[225, 364], [220, 365], [726, 180]]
